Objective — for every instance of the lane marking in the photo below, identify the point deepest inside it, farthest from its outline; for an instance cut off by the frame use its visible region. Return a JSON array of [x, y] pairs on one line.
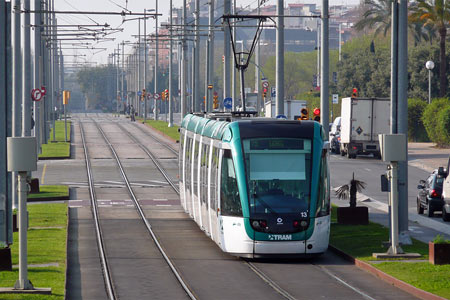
[[163, 205], [345, 283], [368, 170], [43, 174], [160, 200]]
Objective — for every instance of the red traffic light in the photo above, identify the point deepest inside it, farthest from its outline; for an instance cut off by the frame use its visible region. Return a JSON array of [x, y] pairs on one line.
[[316, 111], [265, 90], [355, 93]]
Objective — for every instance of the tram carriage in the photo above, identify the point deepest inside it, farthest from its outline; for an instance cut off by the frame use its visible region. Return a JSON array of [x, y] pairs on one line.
[[258, 187]]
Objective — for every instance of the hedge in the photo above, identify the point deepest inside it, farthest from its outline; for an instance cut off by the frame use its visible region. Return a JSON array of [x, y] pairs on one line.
[[436, 119], [416, 129]]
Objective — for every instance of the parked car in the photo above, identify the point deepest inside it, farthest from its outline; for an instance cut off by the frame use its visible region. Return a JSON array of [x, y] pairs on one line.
[[335, 135], [430, 193], [446, 193]]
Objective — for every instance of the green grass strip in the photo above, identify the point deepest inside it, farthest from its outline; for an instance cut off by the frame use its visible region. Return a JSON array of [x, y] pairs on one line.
[[361, 241], [50, 191], [60, 148], [162, 127], [45, 245]]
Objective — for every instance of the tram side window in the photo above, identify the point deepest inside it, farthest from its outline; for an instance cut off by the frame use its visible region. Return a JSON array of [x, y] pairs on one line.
[[323, 202], [204, 174], [230, 202], [180, 156], [195, 159], [214, 179], [188, 163]]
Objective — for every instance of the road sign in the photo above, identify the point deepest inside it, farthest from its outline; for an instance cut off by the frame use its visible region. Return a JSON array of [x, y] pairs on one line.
[[265, 84], [36, 94], [43, 90], [335, 99], [273, 92], [156, 96], [281, 117], [228, 103], [139, 93]]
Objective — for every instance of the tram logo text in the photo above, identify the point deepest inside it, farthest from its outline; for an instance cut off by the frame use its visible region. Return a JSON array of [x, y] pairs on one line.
[[280, 237]]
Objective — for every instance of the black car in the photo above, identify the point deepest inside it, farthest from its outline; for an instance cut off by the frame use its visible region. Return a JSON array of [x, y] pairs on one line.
[[430, 194]]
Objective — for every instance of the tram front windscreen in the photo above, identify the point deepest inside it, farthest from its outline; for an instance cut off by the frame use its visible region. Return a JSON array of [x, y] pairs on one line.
[[278, 175]]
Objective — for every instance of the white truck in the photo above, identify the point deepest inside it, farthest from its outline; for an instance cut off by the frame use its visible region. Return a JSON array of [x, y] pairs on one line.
[[291, 108], [362, 120]]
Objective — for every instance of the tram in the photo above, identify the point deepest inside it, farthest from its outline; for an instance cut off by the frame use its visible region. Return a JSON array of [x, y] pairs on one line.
[[258, 187]]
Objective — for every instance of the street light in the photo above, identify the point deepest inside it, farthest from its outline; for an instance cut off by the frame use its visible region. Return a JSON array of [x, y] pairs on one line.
[[429, 65]]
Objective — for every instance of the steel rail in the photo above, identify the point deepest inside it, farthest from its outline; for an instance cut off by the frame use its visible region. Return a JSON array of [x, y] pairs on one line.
[[144, 219], [153, 158], [101, 247], [157, 139], [260, 273]]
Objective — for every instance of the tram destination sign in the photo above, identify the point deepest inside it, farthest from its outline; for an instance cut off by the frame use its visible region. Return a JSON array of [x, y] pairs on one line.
[[276, 144]]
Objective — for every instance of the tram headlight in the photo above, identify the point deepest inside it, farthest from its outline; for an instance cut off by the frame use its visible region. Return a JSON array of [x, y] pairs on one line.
[[259, 225], [300, 224]]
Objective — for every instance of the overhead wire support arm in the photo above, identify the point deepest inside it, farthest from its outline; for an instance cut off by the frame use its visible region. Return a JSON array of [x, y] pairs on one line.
[[74, 12]]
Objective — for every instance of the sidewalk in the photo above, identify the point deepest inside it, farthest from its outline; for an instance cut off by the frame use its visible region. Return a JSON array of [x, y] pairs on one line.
[[426, 156]]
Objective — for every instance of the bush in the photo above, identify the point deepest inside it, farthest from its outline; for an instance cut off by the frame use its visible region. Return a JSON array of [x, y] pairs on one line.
[[416, 130], [444, 124], [434, 123]]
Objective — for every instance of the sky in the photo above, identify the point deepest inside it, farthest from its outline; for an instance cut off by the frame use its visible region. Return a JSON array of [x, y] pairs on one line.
[[131, 27]]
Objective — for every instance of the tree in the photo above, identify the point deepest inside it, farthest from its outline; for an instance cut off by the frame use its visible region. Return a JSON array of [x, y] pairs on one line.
[[435, 14], [377, 15]]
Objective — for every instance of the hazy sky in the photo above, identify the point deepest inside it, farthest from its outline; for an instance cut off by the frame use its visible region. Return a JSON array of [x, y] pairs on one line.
[[131, 27]]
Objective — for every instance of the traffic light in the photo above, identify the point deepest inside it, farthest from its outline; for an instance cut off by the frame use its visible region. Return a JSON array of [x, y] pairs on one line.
[[314, 83], [215, 102], [335, 77], [316, 113], [264, 92], [163, 95], [167, 94], [304, 112], [355, 93]]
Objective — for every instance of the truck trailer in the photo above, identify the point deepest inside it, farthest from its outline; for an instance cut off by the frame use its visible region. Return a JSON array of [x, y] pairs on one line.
[[362, 120]]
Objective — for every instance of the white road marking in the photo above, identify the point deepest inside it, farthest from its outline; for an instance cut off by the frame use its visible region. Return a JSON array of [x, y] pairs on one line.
[[160, 200], [368, 170], [75, 206], [163, 205]]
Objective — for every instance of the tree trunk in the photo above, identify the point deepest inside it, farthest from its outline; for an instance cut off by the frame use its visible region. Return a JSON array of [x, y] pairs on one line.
[[443, 64]]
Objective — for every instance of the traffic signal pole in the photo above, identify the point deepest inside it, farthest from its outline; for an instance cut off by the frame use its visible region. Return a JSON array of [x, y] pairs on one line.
[[226, 53], [183, 65], [170, 124], [156, 63]]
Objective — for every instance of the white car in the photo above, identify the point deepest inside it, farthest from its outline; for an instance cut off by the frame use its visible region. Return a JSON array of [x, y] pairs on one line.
[[446, 194]]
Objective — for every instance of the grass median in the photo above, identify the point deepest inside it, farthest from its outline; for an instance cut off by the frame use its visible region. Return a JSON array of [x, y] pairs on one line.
[[46, 251], [60, 148], [50, 192], [361, 241], [161, 126]]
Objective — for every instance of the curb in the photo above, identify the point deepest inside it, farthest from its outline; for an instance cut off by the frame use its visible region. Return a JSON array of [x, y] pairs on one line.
[[54, 158], [385, 277], [48, 199]]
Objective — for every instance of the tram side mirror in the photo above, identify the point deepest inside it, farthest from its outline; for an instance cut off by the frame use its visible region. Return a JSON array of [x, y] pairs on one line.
[[420, 187], [442, 172]]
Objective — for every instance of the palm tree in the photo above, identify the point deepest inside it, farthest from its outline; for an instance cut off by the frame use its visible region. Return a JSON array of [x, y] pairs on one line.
[[435, 14], [377, 15], [349, 190]]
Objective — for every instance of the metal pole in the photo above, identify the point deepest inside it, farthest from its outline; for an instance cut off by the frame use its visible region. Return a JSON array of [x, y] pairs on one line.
[[118, 98], [23, 283], [318, 53], [324, 79], [340, 41], [37, 75], [155, 106], [3, 128], [403, 112], [226, 53], [139, 83], [183, 65], [257, 71], [233, 67], [211, 55], [279, 106], [196, 62], [61, 74], [394, 201], [26, 70], [122, 94], [170, 124], [145, 66], [429, 86], [17, 84], [54, 75], [394, 66]]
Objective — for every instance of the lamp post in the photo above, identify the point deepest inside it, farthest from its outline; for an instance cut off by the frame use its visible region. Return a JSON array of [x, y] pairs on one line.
[[429, 65]]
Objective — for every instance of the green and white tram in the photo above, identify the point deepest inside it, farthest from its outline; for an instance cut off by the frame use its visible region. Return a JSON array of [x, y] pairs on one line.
[[257, 187]]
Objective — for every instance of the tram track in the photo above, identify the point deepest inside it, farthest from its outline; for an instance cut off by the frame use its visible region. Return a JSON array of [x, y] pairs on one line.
[[108, 278], [252, 266]]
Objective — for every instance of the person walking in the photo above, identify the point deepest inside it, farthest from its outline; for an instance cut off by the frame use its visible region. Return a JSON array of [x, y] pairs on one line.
[[132, 112]]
